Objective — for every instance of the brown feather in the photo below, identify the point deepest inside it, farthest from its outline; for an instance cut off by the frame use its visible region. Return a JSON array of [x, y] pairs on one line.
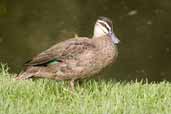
[[62, 51], [79, 58]]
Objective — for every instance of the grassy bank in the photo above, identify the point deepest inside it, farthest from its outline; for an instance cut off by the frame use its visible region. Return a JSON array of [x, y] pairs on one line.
[[91, 97]]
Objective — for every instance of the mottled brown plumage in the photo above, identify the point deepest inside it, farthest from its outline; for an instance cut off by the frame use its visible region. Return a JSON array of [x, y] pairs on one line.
[[73, 59]]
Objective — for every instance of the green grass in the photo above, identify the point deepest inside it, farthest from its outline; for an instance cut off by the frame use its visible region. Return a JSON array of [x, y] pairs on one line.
[[91, 97]]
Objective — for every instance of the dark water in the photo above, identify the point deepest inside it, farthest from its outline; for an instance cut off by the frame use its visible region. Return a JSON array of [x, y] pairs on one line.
[[144, 27]]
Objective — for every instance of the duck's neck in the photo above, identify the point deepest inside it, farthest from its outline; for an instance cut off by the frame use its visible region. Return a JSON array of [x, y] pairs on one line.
[[103, 41]]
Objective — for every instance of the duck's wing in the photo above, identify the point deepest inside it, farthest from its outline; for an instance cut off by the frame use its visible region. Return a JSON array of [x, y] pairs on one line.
[[62, 51]]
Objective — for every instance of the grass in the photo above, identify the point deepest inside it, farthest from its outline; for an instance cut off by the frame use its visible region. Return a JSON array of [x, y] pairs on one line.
[[91, 97]]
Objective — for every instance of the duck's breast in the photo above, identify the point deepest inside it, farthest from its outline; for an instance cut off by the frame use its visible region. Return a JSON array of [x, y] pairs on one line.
[[107, 52]]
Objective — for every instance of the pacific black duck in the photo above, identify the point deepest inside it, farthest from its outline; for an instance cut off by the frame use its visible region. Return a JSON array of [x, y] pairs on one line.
[[76, 58]]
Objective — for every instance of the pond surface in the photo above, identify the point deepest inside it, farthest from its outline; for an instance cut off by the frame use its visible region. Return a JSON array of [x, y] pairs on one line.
[[28, 27]]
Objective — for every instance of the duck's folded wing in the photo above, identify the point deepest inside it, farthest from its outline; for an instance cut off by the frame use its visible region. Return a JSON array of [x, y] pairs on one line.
[[62, 51]]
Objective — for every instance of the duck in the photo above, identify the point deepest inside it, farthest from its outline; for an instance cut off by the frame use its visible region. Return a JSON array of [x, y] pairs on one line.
[[75, 58]]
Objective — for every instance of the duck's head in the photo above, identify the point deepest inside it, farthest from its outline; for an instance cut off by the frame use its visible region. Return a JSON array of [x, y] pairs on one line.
[[104, 26]]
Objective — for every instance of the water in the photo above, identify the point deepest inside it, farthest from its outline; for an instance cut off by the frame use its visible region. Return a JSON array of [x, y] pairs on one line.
[[143, 26]]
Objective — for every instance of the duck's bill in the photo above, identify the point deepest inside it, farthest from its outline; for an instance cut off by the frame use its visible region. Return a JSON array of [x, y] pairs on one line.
[[114, 39]]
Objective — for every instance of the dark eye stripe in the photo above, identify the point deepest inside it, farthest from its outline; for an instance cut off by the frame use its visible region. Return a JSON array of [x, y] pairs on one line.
[[104, 25], [109, 23]]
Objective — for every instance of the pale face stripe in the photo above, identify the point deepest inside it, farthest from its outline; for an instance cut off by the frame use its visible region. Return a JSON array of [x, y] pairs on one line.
[[105, 24], [101, 28]]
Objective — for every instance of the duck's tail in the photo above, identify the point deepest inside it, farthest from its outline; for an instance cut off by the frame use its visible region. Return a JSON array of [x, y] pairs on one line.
[[23, 75]]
